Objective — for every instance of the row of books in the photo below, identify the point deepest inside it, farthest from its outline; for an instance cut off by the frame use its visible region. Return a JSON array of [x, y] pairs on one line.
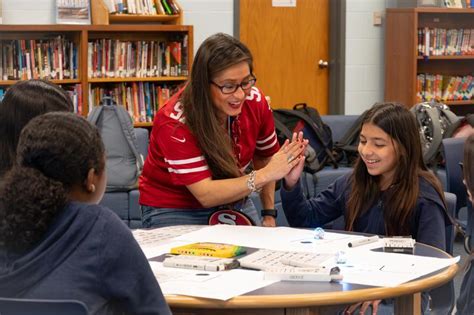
[[51, 59], [109, 58], [444, 88], [445, 42], [143, 7], [72, 3], [141, 99], [74, 91]]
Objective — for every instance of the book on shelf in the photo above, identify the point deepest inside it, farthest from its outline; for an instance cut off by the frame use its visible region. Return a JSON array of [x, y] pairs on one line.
[[141, 99], [444, 88], [75, 93], [445, 42], [50, 59], [109, 58], [73, 12], [142, 7]]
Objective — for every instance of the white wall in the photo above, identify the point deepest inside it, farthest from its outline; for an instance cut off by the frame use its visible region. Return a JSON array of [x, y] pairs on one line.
[[207, 16], [28, 12], [364, 55]]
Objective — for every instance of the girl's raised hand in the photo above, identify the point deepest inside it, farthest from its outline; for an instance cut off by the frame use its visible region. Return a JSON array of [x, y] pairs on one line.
[[289, 156], [293, 176]]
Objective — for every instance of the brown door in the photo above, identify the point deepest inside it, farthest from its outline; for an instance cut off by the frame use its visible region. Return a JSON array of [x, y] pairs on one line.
[[287, 44]]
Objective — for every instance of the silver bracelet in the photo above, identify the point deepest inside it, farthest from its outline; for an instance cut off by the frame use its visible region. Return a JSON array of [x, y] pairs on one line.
[[251, 182]]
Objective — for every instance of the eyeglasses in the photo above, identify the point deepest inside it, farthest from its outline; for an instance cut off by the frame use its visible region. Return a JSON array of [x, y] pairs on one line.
[[230, 88]]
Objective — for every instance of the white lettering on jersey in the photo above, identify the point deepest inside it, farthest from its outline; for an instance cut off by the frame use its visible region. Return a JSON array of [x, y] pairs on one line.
[[226, 218], [254, 93], [178, 108]]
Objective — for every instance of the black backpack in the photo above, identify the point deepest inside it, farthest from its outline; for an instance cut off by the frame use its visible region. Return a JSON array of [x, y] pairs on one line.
[[436, 122], [307, 119], [346, 149]]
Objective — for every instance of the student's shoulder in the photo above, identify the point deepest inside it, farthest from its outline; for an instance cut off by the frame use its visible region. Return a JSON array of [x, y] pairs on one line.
[[96, 213], [429, 192]]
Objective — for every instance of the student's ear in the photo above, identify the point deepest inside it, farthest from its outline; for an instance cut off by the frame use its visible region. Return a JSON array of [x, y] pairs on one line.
[[90, 181]]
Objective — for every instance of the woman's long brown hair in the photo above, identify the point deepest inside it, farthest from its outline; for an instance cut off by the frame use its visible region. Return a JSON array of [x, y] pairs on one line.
[[215, 54], [400, 199]]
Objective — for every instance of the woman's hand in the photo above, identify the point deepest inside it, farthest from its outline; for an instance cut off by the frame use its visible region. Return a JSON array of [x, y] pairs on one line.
[[362, 306], [289, 155], [268, 221], [293, 176]]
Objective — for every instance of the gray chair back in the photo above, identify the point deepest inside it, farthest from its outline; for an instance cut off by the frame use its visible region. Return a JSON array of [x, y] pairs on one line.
[[14, 306]]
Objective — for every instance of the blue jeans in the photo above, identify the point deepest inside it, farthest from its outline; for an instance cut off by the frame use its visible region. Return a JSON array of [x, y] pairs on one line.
[[160, 217]]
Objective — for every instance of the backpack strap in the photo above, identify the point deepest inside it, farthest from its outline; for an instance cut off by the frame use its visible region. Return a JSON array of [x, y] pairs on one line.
[[437, 136], [310, 123], [347, 140], [127, 129], [283, 129], [94, 115]]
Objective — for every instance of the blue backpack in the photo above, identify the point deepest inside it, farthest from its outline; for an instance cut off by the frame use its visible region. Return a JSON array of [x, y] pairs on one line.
[[307, 119]]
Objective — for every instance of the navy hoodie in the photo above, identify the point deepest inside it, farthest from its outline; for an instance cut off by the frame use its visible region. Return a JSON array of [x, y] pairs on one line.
[[87, 254]]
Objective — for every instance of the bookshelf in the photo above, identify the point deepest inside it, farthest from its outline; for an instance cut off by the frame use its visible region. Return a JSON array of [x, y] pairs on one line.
[[410, 64], [101, 16], [139, 65]]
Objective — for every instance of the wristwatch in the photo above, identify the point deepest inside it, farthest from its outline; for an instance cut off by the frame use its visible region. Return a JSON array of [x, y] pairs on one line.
[[270, 212]]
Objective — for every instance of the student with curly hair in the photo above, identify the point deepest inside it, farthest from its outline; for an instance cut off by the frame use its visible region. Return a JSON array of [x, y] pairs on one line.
[[390, 191], [55, 241], [22, 102]]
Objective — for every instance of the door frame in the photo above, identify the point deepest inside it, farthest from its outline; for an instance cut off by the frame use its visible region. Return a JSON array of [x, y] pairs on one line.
[[337, 49]]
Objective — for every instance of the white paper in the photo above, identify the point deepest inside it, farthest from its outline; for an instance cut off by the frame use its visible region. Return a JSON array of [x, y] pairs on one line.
[[221, 285], [388, 269], [159, 241], [159, 235], [279, 238]]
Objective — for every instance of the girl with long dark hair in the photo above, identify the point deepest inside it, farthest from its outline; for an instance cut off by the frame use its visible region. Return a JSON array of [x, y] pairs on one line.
[[390, 191]]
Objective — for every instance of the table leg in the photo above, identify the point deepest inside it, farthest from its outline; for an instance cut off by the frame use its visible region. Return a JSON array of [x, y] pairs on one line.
[[303, 311], [408, 304]]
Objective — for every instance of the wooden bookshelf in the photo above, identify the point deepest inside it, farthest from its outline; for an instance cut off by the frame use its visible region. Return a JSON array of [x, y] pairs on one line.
[[82, 35], [101, 16], [402, 62]]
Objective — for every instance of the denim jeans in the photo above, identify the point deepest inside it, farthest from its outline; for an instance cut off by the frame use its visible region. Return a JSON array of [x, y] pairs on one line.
[[160, 217]]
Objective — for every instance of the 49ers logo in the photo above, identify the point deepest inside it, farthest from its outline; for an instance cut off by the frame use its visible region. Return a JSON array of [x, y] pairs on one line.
[[254, 93], [230, 217]]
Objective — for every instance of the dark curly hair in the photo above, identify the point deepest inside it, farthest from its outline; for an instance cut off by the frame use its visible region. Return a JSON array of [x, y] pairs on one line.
[[55, 153], [22, 102]]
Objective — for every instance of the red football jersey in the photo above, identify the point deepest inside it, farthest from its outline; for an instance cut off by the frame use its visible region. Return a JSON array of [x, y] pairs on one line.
[[175, 160]]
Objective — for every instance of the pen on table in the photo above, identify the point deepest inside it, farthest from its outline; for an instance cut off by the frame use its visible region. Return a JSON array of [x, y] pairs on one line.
[[363, 241]]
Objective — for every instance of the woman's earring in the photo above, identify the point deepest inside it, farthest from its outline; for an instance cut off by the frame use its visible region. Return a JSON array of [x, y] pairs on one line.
[[92, 188]]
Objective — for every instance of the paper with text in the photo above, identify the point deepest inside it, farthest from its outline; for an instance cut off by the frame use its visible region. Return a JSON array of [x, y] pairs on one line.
[[220, 285]]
